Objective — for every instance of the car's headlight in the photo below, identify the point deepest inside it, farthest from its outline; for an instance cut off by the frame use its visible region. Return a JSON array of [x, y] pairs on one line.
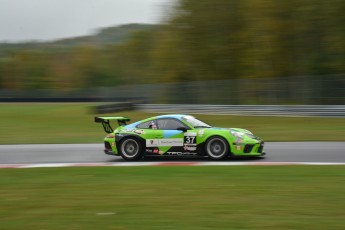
[[237, 134], [251, 136]]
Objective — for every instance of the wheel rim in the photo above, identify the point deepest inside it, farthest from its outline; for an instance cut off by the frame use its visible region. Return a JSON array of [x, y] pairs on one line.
[[130, 148], [216, 148]]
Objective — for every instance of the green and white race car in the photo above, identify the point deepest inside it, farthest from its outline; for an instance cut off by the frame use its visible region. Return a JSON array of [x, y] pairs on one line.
[[177, 135]]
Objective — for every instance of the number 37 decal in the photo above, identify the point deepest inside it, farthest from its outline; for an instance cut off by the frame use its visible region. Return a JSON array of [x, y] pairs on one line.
[[190, 138]]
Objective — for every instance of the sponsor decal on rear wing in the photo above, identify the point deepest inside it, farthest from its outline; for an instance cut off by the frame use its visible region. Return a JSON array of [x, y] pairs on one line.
[[106, 122]]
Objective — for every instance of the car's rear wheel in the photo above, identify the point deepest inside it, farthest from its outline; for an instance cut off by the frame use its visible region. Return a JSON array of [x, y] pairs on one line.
[[217, 148], [131, 149]]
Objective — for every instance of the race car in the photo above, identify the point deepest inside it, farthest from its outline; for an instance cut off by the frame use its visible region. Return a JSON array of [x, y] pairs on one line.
[[176, 135]]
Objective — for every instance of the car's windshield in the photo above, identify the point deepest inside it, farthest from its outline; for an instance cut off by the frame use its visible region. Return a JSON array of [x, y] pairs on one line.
[[195, 122]]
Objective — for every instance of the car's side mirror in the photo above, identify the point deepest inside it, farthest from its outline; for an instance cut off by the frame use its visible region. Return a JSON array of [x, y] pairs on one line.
[[183, 129]]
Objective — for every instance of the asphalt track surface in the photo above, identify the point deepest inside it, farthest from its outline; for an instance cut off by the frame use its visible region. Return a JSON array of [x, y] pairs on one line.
[[323, 152]]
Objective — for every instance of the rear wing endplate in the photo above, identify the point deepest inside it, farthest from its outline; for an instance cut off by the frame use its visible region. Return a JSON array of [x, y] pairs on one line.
[[106, 122]]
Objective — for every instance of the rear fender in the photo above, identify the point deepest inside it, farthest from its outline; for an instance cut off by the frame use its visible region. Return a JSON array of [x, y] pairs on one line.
[[121, 136]]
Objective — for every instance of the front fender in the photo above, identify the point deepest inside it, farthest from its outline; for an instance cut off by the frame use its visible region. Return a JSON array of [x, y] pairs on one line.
[[224, 134]]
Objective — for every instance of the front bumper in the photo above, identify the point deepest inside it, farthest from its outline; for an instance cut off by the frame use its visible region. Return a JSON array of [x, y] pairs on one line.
[[248, 148]]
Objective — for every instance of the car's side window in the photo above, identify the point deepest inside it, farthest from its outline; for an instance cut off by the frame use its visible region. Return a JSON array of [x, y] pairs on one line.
[[148, 125], [144, 125], [170, 124]]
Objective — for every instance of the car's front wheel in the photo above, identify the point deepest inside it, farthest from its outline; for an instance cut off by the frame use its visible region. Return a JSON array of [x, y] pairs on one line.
[[217, 148], [131, 149]]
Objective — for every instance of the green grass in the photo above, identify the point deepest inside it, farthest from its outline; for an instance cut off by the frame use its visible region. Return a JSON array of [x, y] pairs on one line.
[[22, 123], [221, 197]]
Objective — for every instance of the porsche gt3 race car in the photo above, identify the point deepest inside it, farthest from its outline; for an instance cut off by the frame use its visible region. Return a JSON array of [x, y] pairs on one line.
[[176, 135]]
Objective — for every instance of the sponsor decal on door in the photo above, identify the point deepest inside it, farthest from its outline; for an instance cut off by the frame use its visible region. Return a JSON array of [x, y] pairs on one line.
[[164, 142]]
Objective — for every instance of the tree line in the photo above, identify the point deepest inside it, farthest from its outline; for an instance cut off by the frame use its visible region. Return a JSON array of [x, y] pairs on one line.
[[198, 40]]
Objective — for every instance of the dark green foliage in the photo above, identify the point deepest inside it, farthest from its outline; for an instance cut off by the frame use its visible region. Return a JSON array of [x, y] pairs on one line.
[[251, 38]]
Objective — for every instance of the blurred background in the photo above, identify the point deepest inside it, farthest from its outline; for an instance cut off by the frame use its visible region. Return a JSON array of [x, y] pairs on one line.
[[191, 51]]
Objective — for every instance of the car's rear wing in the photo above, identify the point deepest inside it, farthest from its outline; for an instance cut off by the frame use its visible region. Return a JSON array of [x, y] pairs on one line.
[[106, 122]]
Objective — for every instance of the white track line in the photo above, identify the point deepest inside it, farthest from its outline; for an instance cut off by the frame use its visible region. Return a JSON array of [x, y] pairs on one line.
[[181, 163]]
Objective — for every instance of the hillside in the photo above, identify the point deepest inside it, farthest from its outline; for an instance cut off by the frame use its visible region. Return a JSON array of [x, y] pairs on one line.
[[110, 35], [105, 36]]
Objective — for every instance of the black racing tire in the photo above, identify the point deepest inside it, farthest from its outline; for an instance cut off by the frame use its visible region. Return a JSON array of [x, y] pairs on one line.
[[131, 149], [217, 148]]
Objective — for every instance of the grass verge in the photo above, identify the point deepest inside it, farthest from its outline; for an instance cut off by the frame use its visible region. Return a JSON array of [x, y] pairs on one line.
[[26, 123], [246, 197]]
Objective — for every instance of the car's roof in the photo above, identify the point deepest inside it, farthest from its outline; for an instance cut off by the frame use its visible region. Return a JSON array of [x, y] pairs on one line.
[[177, 116]]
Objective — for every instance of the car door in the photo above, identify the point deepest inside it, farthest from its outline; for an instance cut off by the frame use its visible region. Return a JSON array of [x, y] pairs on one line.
[[175, 138]]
